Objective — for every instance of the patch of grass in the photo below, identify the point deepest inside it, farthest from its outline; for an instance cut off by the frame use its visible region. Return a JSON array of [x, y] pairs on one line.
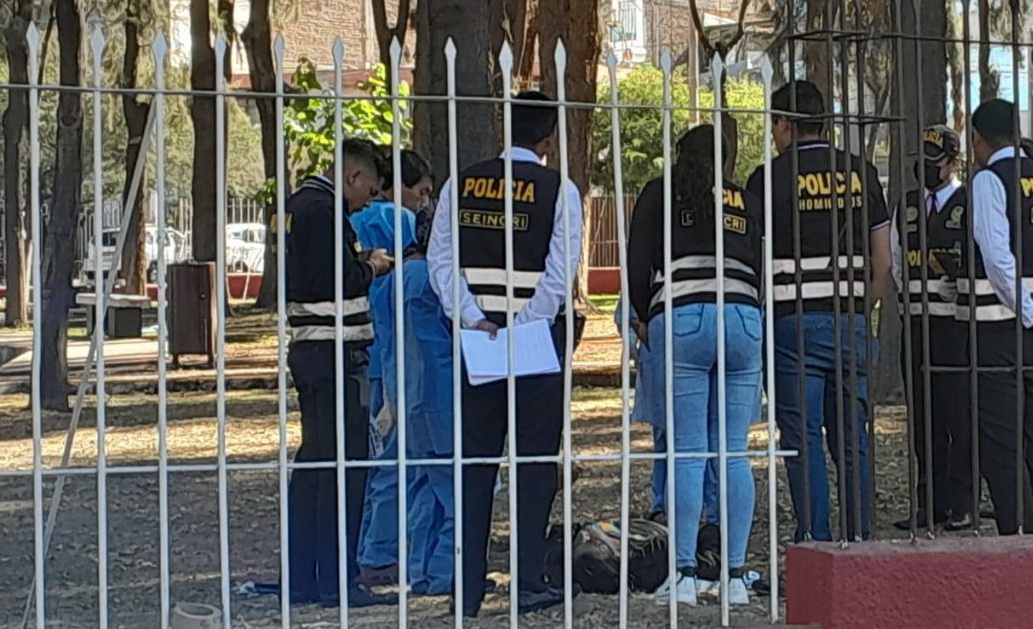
[[605, 303]]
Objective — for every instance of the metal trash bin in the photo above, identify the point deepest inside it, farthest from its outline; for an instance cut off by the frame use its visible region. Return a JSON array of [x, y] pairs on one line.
[[192, 319]]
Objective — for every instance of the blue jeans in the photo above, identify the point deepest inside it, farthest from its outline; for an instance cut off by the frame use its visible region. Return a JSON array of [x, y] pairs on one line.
[[695, 383], [808, 480], [711, 515]]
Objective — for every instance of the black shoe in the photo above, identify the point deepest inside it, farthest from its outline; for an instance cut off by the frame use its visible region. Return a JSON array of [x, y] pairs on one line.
[[360, 596], [468, 610], [960, 522], [304, 598], [490, 586], [528, 602], [659, 516], [920, 521]]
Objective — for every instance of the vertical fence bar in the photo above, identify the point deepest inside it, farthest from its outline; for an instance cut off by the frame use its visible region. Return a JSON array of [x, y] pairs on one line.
[[1020, 289], [160, 49], [922, 196], [506, 66], [901, 205], [625, 316], [399, 322], [35, 211], [716, 72], [568, 352], [672, 516], [970, 267], [220, 319], [339, 377], [281, 335], [97, 49], [769, 346], [457, 359]]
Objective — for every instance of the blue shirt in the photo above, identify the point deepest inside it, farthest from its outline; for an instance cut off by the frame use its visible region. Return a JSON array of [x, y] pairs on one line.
[[375, 227]]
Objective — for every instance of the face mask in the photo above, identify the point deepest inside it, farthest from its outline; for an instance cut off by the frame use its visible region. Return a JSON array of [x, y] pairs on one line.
[[932, 174]]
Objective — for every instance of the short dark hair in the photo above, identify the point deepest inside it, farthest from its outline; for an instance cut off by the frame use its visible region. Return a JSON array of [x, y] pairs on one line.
[[995, 121], [414, 167], [363, 153], [810, 105], [532, 123]]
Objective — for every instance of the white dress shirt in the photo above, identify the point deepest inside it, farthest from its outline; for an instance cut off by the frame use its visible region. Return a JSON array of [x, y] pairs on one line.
[[941, 196], [992, 232], [551, 291]]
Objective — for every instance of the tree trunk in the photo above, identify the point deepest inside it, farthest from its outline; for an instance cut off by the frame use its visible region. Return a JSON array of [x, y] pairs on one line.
[[257, 40], [517, 26], [816, 50], [59, 258], [386, 33], [202, 114], [467, 22], [956, 65], [14, 122], [134, 254], [577, 23], [989, 77], [933, 24]]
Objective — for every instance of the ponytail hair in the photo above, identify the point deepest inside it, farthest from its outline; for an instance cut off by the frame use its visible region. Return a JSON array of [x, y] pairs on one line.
[[693, 172]]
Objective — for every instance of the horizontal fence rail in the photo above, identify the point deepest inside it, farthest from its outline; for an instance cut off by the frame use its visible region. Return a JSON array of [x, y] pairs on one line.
[[773, 270]]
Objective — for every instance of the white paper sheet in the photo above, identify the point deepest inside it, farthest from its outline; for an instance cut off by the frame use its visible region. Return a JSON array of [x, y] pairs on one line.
[[487, 360]]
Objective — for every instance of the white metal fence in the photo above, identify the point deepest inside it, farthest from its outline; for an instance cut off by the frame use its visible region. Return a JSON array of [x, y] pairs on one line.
[[167, 471]]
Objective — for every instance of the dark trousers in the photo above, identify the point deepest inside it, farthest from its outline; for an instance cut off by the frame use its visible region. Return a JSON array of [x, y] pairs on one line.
[[1001, 431], [312, 497], [948, 401], [539, 425]]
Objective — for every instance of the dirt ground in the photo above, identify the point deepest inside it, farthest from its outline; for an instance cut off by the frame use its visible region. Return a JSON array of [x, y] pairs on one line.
[[252, 436]]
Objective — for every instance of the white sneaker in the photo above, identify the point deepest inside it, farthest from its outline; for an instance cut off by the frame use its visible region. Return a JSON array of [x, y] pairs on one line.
[[738, 594], [684, 590]]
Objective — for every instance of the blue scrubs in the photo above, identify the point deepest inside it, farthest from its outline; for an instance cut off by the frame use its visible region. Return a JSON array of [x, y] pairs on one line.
[[428, 420], [375, 228], [429, 399]]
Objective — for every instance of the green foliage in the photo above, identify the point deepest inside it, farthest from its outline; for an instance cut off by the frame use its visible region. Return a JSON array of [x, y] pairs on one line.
[[642, 140], [309, 119]]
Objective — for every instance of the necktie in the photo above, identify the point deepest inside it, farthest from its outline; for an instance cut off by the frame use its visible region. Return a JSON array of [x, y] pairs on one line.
[[932, 204]]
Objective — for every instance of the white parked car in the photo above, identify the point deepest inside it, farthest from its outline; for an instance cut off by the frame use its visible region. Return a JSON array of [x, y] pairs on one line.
[[245, 247]]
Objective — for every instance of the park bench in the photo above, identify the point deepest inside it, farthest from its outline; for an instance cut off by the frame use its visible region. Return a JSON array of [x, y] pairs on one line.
[[124, 318]]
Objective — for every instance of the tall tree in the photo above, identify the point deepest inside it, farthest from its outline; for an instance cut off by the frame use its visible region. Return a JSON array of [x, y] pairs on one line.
[[257, 40], [135, 110], [467, 23], [579, 24], [518, 21], [720, 49], [386, 32], [59, 259], [15, 120], [202, 114], [989, 77]]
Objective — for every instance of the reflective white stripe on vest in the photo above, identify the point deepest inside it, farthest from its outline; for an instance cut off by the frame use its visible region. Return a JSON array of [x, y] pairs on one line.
[[692, 287], [817, 263], [936, 309], [818, 290], [498, 303], [349, 307], [984, 287], [932, 286], [350, 333], [708, 262], [994, 312], [497, 277]]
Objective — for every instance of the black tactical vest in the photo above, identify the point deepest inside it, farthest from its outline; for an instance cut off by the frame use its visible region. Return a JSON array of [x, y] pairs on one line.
[[827, 184], [693, 263], [945, 236], [482, 232], [988, 307]]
